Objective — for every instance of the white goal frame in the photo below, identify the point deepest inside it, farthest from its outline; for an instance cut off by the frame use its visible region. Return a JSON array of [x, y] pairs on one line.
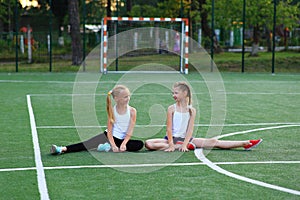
[[184, 50]]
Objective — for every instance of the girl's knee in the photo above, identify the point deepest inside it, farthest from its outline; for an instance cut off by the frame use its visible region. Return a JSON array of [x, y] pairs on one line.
[[141, 145], [213, 142], [210, 143], [135, 145], [148, 144]]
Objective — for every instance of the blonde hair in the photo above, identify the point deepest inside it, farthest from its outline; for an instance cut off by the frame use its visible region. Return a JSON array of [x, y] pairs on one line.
[[183, 86], [114, 93]]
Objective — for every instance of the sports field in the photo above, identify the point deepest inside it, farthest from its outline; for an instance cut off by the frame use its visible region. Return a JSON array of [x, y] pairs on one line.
[[41, 109]]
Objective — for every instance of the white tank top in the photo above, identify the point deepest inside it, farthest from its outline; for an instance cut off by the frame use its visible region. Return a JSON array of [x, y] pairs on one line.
[[180, 123], [121, 124]]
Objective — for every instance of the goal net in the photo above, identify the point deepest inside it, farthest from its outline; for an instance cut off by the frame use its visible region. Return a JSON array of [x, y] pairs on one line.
[[128, 42]]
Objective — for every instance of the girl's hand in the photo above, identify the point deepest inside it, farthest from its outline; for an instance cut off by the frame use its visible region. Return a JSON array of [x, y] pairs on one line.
[[115, 149], [183, 149], [123, 148], [170, 149]]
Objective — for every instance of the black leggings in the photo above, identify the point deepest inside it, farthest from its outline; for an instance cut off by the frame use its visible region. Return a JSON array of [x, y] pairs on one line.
[[92, 143]]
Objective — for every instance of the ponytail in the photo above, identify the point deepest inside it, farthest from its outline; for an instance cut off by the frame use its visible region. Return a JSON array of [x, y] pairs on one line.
[[185, 87], [189, 94], [109, 108], [114, 93]]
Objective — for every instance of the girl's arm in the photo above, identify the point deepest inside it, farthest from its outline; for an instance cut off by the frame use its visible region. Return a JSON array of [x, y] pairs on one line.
[[130, 128], [169, 128], [110, 137], [189, 131]]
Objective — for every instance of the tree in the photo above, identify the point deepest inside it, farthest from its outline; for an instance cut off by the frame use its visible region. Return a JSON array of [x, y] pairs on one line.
[[288, 12], [108, 8], [206, 30], [145, 11], [259, 16], [59, 9], [75, 32], [7, 9], [128, 6], [166, 8]]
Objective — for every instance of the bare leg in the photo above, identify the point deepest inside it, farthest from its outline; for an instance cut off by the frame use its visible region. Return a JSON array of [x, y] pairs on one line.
[[215, 143], [156, 144], [224, 144], [64, 149]]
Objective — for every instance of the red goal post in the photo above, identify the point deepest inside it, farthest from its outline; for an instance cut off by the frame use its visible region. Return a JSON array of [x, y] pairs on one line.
[[184, 51]]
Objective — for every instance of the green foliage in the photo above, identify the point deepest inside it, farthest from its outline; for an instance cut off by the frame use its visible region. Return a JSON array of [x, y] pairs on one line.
[[4, 45], [288, 14], [59, 8], [259, 16], [258, 12], [95, 11], [145, 11], [285, 62], [6, 10], [226, 12], [168, 8]]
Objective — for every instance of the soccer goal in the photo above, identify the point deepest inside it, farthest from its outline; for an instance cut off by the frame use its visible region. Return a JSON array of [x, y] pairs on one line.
[[138, 40]]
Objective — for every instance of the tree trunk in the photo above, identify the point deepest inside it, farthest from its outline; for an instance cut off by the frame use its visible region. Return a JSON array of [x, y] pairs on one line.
[[286, 38], [206, 29], [75, 32], [204, 21], [128, 6], [255, 44], [269, 35], [108, 10], [254, 51]]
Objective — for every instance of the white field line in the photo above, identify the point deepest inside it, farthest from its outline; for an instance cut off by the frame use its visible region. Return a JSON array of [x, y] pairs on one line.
[[37, 154], [199, 154], [166, 81], [196, 125], [262, 93], [196, 93], [150, 165], [258, 129], [35, 139], [143, 72]]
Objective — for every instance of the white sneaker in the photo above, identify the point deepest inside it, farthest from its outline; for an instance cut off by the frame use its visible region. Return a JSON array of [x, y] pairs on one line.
[[55, 150], [104, 147]]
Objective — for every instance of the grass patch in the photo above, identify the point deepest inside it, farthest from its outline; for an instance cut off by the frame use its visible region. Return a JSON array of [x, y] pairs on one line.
[[285, 61], [251, 99]]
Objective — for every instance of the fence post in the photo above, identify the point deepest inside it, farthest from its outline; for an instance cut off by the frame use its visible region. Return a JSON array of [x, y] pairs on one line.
[[212, 34], [243, 36], [29, 44], [50, 36], [16, 27], [274, 33], [84, 35]]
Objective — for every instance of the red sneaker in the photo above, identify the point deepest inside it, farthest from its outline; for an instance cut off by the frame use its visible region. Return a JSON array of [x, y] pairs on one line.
[[190, 145], [253, 143]]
